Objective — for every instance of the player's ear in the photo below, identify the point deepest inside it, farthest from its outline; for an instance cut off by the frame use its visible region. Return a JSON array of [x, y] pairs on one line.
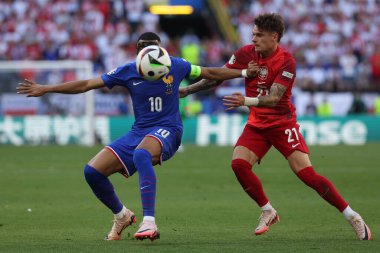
[[275, 36]]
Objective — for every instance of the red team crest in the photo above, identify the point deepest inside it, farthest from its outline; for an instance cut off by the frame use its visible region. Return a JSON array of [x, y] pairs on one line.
[[263, 72]]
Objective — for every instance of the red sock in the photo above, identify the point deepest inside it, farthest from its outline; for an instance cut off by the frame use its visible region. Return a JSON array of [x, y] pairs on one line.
[[249, 181], [323, 186]]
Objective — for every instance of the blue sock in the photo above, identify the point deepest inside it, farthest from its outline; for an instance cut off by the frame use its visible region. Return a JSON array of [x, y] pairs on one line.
[[102, 188], [147, 180]]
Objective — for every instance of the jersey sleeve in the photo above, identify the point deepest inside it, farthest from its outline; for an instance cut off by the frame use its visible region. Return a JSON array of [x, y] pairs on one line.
[[113, 77], [238, 59], [183, 67], [286, 73]]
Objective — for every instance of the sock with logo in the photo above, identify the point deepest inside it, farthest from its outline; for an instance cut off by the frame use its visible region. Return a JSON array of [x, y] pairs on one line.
[[249, 181], [103, 189], [323, 186], [147, 180]]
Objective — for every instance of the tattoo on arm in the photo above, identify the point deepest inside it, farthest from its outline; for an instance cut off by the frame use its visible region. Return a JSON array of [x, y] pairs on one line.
[[277, 90], [275, 94], [203, 84]]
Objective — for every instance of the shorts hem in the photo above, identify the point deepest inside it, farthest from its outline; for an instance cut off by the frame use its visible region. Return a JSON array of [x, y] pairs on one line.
[[126, 174]]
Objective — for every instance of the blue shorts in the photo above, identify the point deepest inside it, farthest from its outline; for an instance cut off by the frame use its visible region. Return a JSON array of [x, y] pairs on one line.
[[124, 147]]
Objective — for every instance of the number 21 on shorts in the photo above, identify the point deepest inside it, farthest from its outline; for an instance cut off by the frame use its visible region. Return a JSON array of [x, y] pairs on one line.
[[292, 136]]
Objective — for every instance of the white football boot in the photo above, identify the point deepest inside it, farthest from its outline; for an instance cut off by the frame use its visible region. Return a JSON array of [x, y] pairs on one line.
[[147, 230], [267, 218], [120, 224], [361, 229]]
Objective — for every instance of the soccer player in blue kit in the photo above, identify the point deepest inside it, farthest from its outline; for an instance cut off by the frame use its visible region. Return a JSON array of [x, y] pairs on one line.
[[155, 135]]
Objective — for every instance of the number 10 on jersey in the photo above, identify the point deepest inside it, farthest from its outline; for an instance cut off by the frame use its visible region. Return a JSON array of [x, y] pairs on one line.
[[155, 104]]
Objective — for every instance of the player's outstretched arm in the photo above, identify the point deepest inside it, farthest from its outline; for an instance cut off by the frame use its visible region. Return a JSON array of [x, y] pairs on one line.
[[221, 74], [217, 76], [33, 89], [213, 77], [203, 84], [237, 99]]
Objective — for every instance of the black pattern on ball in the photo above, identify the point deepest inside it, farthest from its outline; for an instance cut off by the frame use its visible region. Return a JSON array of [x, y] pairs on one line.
[[150, 73]]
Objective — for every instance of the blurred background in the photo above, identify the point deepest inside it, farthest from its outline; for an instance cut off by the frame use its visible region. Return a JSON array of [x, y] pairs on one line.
[[335, 42]]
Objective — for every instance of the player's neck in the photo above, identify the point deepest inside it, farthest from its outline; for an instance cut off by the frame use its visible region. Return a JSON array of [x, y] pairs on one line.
[[269, 52]]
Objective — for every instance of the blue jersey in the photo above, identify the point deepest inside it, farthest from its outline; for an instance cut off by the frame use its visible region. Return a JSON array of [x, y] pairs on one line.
[[155, 103]]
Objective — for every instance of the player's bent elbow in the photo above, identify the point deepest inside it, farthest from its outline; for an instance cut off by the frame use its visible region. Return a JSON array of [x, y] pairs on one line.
[[273, 102]]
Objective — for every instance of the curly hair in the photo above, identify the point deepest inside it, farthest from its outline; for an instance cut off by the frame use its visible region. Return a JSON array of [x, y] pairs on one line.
[[270, 22]]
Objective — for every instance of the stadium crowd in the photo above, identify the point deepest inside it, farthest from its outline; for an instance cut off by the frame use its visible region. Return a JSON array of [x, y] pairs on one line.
[[335, 42]]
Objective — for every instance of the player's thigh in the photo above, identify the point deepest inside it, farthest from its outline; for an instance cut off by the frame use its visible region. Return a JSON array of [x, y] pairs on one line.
[[162, 143], [123, 149], [251, 145], [289, 141], [105, 162]]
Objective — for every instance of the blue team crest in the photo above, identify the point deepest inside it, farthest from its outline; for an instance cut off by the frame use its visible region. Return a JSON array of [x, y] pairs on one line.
[[168, 80]]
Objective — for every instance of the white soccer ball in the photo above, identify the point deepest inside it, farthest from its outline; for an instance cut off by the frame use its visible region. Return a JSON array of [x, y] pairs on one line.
[[153, 63]]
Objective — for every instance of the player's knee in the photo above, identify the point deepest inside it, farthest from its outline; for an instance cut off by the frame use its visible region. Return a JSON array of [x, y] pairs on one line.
[[141, 156], [90, 173], [240, 164]]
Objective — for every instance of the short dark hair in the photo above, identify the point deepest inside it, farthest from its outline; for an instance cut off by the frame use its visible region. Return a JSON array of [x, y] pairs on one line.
[[271, 22], [149, 36], [147, 39]]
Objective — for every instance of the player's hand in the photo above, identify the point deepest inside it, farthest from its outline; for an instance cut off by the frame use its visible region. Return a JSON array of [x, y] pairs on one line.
[[233, 101], [30, 88], [183, 92], [253, 69]]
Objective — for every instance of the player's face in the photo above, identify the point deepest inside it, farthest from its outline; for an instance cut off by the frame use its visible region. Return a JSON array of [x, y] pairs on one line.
[[264, 42], [144, 43]]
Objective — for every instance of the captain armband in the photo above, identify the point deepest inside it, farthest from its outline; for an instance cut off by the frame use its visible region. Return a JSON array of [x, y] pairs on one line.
[[195, 72], [251, 101]]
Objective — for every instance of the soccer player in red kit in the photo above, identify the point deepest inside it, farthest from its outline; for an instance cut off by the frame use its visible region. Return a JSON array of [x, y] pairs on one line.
[[272, 121]]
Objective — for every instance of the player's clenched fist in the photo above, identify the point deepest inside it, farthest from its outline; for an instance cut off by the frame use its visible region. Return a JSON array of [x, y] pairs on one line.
[[253, 69]]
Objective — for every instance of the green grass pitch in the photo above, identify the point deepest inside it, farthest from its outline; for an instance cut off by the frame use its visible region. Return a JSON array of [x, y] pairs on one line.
[[46, 205]]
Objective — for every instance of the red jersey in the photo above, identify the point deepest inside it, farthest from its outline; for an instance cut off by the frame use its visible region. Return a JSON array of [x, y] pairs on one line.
[[280, 67]]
